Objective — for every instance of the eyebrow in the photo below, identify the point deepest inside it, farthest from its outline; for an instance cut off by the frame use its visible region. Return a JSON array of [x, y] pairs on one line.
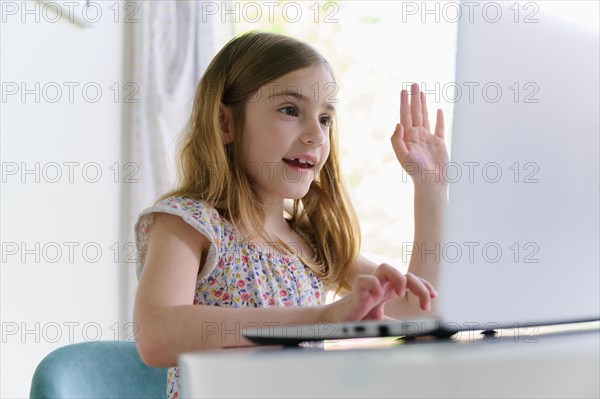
[[299, 97]]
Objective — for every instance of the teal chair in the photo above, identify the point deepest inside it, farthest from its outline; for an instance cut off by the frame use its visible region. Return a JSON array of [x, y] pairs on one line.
[[104, 369]]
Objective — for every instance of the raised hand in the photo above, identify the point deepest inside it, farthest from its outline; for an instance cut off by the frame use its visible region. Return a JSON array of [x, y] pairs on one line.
[[423, 155]]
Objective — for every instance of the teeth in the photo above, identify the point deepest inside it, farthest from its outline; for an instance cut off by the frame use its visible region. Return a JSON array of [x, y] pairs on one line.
[[306, 161]]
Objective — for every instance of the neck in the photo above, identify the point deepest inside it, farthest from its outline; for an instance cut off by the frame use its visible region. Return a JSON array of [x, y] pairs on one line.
[[274, 222]]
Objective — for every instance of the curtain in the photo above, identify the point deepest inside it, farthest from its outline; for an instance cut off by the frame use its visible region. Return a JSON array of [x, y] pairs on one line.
[[171, 48]]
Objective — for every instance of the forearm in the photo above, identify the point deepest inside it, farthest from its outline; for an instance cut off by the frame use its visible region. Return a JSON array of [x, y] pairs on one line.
[[430, 204], [164, 333]]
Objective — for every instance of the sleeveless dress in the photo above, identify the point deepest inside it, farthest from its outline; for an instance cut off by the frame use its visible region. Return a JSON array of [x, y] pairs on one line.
[[236, 273]]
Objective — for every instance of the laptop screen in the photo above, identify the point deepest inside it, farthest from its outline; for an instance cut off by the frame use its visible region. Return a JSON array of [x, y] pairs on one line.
[[522, 227]]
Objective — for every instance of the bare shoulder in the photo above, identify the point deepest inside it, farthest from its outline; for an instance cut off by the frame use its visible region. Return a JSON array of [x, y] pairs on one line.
[[175, 253], [167, 224], [173, 237]]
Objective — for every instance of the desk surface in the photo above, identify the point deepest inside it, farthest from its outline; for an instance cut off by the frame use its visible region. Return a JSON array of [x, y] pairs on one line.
[[517, 364]]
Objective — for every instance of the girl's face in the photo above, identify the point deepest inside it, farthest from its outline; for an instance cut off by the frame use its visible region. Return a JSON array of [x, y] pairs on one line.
[[286, 133]]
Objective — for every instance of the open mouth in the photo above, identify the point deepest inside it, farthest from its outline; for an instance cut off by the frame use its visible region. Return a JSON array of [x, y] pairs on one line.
[[300, 163]]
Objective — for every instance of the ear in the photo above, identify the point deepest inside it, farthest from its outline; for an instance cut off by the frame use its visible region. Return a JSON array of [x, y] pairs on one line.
[[226, 123]]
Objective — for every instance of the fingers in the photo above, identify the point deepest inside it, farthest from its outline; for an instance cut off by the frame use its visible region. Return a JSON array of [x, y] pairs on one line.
[[416, 114], [395, 283], [371, 292], [398, 143], [415, 105], [424, 111], [368, 298], [439, 124], [368, 288], [391, 278], [405, 118], [418, 287], [432, 292], [392, 283]]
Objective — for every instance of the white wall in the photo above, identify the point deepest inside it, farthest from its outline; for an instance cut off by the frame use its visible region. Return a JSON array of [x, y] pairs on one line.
[[61, 297]]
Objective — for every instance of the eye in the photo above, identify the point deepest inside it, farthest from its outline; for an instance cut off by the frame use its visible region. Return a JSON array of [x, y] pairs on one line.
[[325, 120], [289, 110]]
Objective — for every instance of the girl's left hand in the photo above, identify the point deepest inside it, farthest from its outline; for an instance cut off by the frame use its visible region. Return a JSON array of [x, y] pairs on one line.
[[370, 292], [422, 155], [393, 283]]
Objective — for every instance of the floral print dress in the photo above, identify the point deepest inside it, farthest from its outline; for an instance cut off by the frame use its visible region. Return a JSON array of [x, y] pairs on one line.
[[236, 273]]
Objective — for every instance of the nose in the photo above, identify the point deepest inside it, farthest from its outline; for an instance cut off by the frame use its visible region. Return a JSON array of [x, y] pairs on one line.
[[314, 133]]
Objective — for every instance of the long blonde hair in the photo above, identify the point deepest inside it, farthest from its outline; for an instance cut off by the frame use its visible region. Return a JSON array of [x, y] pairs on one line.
[[211, 171]]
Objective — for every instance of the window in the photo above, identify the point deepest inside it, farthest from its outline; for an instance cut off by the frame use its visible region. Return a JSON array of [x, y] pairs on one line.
[[374, 55], [376, 49]]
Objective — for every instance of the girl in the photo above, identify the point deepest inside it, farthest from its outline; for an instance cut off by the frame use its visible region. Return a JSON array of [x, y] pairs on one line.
[[227, 247]]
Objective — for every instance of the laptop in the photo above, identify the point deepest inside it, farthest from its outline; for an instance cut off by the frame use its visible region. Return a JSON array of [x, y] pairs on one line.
[[521, 233]]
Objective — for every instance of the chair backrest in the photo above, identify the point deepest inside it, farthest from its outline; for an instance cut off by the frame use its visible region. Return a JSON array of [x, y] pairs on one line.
[[104, 369]]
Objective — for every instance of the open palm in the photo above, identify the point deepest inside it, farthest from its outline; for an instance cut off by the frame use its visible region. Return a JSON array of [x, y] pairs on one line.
[[419, 151]]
